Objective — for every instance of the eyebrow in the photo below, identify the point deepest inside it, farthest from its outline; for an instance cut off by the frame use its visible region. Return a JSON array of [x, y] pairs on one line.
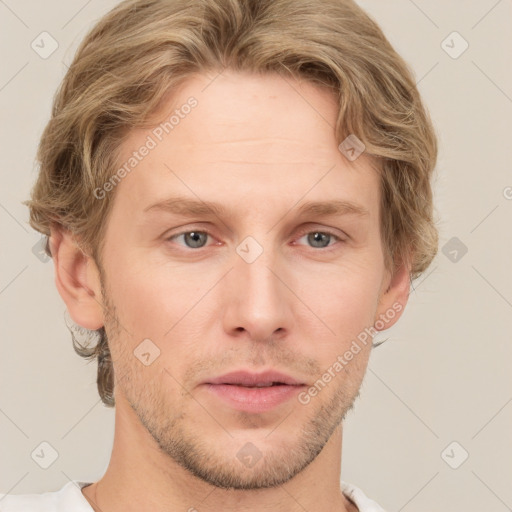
[[333, 207], [190, 207]]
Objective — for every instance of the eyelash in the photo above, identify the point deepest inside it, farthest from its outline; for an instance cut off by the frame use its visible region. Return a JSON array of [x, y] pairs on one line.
[[302, 233]]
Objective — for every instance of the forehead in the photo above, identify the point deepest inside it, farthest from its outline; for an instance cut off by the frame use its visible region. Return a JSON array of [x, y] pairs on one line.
[[244, 107], [265, 137]]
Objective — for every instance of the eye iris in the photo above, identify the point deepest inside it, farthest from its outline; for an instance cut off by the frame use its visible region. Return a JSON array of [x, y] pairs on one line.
[[318, 239], [195, 239]]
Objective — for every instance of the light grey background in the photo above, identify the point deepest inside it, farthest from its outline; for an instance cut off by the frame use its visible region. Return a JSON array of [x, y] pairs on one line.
[[445, 373]]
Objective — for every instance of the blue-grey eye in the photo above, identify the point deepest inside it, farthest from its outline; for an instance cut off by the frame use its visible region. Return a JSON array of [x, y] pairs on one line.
[[318, 239], [194, 239]]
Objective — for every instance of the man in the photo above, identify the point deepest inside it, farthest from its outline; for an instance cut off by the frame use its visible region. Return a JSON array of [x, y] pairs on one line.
[[237, 196]]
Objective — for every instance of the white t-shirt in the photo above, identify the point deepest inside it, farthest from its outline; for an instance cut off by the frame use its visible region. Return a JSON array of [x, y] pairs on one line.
[[71, 499]]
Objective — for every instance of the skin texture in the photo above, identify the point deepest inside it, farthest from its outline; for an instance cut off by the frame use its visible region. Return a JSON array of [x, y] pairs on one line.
[[260, 146]]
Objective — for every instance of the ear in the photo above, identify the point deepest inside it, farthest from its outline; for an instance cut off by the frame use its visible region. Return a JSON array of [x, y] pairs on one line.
[[77, 279], [393, 298]]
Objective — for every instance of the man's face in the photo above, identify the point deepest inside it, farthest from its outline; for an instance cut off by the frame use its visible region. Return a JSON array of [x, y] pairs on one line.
[[292, 297]]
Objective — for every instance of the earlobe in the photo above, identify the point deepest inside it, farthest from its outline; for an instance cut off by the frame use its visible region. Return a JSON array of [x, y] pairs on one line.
[[77, 279], [393, 299]]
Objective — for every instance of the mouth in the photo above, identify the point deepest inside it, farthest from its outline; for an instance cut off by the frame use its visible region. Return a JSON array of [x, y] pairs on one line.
[[260, 385], [249, 379], [251, 392]]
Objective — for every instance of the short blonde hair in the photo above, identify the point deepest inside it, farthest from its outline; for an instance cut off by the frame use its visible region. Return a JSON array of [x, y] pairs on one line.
[[144, 49]]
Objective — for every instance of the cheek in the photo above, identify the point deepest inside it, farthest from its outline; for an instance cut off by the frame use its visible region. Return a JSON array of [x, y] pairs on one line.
[[151, 299], [152, 304], [356, 295], [344, 299], [346, 295]]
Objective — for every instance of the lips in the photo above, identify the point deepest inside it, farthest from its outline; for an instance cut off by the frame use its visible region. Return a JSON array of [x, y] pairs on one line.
[[255, 380], [253, 392]]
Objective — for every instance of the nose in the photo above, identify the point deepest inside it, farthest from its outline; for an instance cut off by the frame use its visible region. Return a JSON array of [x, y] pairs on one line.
[[256, 302]]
